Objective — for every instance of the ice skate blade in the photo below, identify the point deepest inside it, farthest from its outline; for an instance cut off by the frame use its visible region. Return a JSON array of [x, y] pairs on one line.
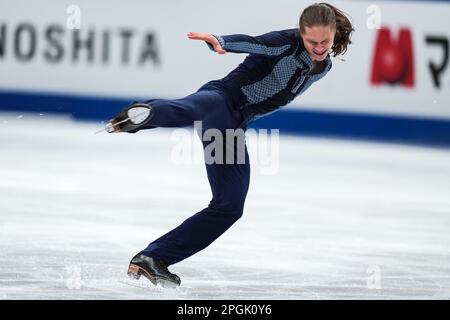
[[109, 127], [143, 283]]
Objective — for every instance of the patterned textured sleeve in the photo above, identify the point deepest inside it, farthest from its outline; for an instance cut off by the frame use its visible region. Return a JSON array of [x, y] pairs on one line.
[[272, 44]]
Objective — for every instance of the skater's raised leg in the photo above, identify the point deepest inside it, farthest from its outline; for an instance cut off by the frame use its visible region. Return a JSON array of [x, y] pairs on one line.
[[209, 106]]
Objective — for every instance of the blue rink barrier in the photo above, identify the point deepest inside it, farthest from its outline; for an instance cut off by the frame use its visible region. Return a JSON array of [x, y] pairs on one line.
[[386, 128]]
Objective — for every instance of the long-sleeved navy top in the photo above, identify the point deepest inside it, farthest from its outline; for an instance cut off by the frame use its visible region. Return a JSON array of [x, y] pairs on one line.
[[277, 69]]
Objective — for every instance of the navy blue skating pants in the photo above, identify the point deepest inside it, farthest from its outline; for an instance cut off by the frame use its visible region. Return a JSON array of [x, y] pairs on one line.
[[229, 181]]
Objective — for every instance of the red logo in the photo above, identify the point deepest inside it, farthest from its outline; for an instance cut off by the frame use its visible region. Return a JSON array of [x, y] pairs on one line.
[[393, 61]]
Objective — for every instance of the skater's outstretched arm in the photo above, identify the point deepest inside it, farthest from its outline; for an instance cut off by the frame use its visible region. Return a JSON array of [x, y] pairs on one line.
[[211, 41], [271, 44]]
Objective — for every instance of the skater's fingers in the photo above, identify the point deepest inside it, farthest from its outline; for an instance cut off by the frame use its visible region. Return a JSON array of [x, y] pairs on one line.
[[219, 49], [208, 38], [197, 36]]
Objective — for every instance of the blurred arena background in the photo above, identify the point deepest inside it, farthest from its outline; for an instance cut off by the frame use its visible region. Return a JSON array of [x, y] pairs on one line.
[[363, 185], [393, 84]]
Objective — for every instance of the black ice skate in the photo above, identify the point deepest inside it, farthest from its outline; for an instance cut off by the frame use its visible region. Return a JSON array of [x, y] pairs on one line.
[[131, 119], [153, 269]]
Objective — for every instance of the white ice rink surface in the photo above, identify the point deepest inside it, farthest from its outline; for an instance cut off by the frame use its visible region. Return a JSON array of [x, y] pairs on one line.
[[340, 219]]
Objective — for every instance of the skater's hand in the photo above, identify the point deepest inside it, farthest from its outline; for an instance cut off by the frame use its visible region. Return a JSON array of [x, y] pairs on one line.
[[208, 38]]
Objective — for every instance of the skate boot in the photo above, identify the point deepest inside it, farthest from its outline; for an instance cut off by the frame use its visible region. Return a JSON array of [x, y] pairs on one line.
[[131, 119], [153, 269]]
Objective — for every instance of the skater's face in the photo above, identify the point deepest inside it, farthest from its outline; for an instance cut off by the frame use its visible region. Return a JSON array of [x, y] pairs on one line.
[[318, 41]]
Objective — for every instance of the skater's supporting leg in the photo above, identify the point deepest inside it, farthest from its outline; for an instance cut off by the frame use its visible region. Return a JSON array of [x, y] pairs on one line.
[[229, 185]]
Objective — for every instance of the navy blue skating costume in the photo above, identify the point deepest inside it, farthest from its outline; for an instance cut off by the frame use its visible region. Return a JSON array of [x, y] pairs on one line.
[[277, 69]]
